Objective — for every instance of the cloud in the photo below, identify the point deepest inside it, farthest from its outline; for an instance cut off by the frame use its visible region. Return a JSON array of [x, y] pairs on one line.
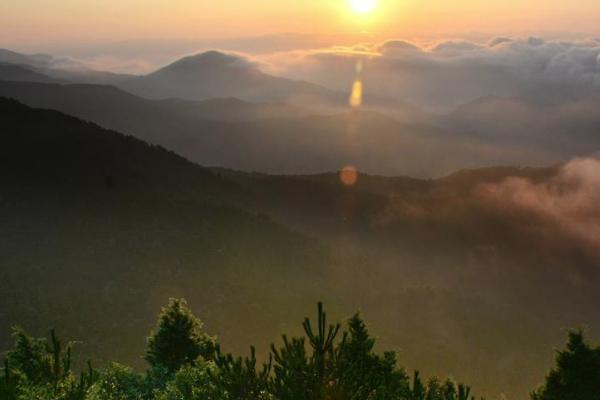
[[499, 40], [566, 203], [391, 46], [437, 75], [453, 72], [117, 64]]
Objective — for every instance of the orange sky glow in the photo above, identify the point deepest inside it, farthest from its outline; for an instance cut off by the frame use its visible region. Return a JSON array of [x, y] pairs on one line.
[[69, 21]]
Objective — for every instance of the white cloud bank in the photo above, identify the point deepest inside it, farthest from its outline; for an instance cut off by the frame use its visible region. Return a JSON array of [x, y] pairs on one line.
[[453, 72], [569, 201]]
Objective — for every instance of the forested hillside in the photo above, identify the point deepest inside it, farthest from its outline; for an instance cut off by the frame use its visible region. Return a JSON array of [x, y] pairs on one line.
[[100, 229]]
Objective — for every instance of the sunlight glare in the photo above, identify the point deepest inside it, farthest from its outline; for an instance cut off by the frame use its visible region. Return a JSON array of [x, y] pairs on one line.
[[363, 6], [356, 95]]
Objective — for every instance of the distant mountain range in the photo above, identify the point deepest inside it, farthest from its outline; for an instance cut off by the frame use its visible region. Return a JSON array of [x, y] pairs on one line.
[[32, 60], [240, 114], [20, 73], [237, 134], [212, 74], [52, 69], [449, 265], [567, 128]]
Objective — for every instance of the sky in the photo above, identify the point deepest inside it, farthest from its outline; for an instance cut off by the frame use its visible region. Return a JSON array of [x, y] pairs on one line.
[[30, 23], [437, 54]]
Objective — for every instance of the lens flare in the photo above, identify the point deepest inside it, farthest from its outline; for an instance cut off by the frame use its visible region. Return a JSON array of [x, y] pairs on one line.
[[348, 175], [356, 95]]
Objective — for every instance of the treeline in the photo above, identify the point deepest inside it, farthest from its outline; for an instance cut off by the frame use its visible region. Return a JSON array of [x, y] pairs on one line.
[[327, 363]]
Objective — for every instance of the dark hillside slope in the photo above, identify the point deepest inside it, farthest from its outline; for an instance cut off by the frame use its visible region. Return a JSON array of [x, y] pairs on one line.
[[21, 73], [455, 273], [98, 229]]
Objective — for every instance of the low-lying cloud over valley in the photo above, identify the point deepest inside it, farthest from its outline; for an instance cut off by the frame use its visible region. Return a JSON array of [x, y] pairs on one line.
[[449, 73]]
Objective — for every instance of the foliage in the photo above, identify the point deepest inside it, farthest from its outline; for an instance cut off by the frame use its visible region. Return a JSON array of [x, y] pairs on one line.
[[576, 375], [178, 338], [197, 382], [30, 357], [10, 383], [364, 374], [41, 369], [240, 378], [118, 382], [324, 364]]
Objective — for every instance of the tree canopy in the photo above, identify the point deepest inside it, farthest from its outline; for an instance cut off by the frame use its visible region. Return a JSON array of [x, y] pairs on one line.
[[576, 375], [329, 362]]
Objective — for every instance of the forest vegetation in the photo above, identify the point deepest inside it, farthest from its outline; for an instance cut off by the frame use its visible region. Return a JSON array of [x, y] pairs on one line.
[[328, 362]]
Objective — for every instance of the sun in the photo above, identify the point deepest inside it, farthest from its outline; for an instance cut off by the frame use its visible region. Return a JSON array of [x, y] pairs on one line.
[[363, 6]]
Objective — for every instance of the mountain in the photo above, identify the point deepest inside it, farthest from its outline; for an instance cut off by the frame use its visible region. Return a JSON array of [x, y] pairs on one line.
[[113, 101], [565, 128], [83, 75], [58, 69], [461, 274], [237, 134], [95, 223], [13, 72], [216, 74], [148, 119], [33, 60], [208, 75]]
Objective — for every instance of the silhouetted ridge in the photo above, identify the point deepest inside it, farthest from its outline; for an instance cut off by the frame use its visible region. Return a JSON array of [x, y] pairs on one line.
[[12, 72]]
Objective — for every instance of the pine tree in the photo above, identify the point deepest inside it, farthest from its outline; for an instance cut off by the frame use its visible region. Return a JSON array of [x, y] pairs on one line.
[[323, 356], [240, 378], [9, 384], [364, 374], [60, 360], [30, 357], [178, 338], [418, 388], [292, 371], [576, 375], [434, 390], [449, 390], [464, 392]]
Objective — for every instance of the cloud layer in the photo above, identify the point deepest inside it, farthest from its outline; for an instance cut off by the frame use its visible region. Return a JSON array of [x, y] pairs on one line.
[[438, 75], [446, 74], [567, 203]]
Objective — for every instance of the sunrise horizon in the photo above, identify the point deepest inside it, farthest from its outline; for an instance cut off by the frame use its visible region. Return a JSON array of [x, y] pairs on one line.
[[299, 200]]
